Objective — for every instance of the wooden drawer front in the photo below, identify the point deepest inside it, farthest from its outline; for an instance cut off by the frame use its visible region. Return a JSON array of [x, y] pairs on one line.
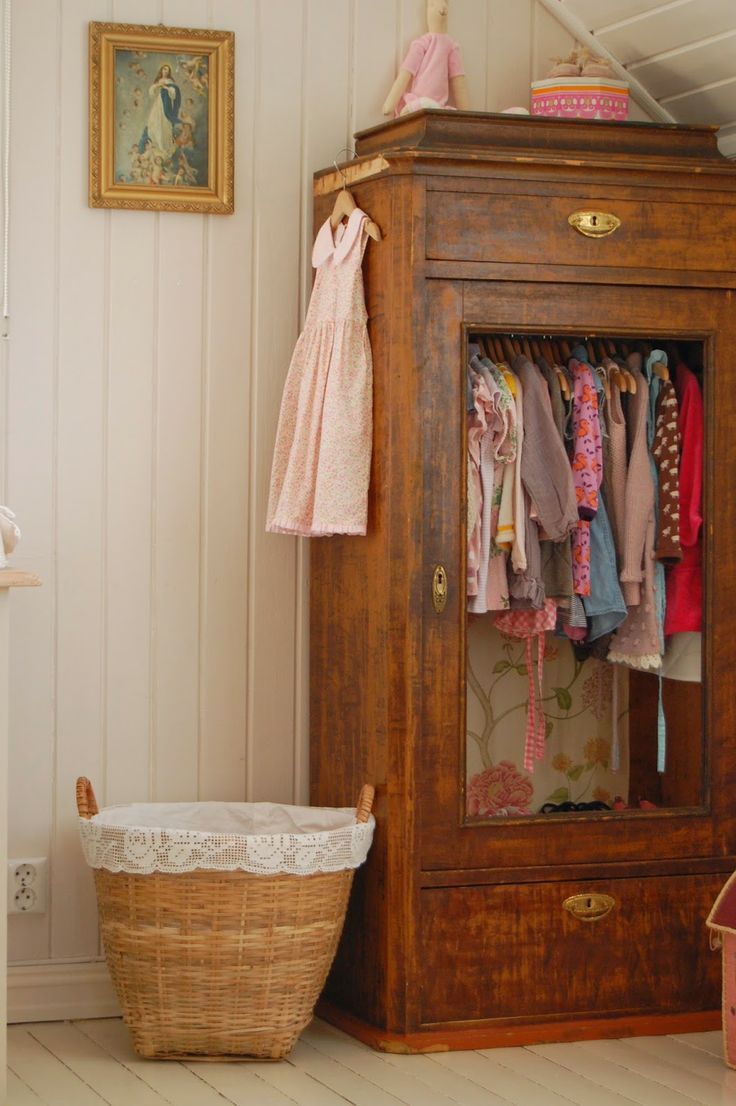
[[473, 226], [513, 951]]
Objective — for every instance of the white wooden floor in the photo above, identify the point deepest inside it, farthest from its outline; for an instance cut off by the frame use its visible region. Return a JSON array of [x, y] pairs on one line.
[[90, 1063]]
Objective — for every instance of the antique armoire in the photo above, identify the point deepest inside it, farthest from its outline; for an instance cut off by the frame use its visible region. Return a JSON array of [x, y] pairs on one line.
[[468, 932]]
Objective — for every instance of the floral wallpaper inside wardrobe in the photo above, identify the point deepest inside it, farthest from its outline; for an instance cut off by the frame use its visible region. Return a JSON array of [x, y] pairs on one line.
[[577, 700]]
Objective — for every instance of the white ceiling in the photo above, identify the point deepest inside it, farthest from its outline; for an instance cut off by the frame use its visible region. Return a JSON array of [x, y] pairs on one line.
[[682, 52]]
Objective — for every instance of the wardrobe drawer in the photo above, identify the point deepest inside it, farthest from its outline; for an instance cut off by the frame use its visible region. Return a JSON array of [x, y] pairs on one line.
[[515, 951], [527, 229]]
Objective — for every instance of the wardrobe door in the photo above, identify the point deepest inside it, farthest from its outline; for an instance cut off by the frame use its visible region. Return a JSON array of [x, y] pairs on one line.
[[698, 827]]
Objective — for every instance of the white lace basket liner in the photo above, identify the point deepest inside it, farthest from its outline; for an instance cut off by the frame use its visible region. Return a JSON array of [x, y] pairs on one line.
[[262, 838]]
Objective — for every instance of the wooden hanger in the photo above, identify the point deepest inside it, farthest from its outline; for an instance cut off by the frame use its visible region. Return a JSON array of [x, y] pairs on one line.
[[564, 382], [604, 380], [508, 349], [499, 356], [660, 369], [536, 349], [565, 349], [555, 360], [527, 349], [630, 381], [620, 379], [600, 351], [344, 207], [516, 345], [615, 376], [591, 352]]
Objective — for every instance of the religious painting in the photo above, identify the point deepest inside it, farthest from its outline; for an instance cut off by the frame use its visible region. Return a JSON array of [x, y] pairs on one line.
[[161, 118]]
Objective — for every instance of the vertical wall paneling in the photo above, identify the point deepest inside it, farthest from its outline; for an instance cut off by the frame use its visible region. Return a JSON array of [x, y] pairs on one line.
[[227, 370], [30, 440], [84, 245], [132, 352], [273, 566], [375, 57], [177, 466], [133, 280], [467, 25], [508, 54], [325, 120]]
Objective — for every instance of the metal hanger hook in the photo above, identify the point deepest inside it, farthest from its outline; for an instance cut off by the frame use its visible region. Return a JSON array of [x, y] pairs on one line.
[[343, 150]]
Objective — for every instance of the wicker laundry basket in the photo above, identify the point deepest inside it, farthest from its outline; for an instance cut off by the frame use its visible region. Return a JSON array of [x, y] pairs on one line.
[[722, 924], [219, 965]]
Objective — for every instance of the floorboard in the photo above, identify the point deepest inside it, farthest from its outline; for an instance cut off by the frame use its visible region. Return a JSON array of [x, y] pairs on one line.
[[612, 1076], [92, 1063]]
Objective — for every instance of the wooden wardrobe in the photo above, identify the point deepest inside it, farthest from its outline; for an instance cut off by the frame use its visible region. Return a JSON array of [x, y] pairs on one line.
[[456, 935]]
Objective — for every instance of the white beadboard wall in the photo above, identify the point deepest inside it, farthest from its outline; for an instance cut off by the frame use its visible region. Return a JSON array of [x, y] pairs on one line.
[[165, 656]]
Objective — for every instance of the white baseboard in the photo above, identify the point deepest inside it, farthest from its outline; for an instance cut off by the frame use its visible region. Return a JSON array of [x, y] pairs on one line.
[[56, 992]]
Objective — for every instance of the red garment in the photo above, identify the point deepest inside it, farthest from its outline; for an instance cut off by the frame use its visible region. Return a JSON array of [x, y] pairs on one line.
[[684, 588]]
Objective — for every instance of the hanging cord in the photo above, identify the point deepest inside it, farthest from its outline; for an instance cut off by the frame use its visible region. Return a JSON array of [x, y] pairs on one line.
[[6, 164]]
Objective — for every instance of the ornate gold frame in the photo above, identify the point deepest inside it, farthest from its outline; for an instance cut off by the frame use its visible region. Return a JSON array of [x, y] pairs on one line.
[[104, 38]]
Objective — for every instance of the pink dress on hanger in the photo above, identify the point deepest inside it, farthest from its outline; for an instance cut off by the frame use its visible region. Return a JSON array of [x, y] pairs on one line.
[[322, 455]]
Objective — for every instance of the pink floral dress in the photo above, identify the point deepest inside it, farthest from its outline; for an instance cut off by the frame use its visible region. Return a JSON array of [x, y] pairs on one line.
[[322, 455], [587, 469]]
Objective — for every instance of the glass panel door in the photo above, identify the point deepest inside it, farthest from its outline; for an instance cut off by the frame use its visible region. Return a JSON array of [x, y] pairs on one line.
[[584, 592]]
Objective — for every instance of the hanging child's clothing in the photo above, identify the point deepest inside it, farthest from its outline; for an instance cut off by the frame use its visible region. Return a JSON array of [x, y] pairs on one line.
[[556, 555], [547, 481], [495, 444], [636, 643], [685, 580], [478, 422], [322, 455], [587, 469]]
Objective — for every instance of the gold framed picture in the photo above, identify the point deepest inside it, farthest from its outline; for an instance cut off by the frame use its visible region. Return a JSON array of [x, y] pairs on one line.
[[161, 108]]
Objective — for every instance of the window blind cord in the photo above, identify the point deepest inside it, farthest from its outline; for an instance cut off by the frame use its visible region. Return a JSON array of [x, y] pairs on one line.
[[6, 165]]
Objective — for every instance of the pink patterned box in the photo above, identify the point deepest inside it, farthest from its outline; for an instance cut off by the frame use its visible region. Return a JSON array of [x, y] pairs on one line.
[[581, 98]]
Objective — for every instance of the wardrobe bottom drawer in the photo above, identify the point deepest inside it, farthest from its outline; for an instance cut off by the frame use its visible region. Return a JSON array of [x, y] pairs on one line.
[[514, 951]]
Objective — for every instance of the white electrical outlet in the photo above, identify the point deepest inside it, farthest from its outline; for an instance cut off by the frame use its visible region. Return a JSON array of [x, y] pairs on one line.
[[28, 885]]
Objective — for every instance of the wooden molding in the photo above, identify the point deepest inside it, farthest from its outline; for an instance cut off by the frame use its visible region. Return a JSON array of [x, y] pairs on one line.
[[348, 175], [16, 578], [450, 1039], [57, 992]]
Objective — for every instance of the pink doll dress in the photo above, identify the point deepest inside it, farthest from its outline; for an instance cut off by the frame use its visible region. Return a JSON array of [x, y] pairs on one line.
[[433, 60], [322, 456]]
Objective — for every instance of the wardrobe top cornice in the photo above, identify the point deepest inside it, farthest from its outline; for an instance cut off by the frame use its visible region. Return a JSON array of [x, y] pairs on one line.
[[431, 138]]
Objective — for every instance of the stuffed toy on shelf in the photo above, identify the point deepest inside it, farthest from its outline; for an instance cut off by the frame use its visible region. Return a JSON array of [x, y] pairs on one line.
[[432, 73]]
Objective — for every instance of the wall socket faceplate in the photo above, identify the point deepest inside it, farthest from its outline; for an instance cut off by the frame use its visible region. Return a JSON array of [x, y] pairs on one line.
[[28, 879]]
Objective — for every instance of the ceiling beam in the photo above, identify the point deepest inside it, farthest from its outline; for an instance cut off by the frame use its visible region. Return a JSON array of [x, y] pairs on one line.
[[678, 51], [661, 9], [580, 32]]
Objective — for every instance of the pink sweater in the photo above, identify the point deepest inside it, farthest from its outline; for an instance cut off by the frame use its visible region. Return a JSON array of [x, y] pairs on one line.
[[639, 493]]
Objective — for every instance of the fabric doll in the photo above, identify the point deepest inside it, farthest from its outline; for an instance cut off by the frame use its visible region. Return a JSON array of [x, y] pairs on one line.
[[9, 535], [432, 71]]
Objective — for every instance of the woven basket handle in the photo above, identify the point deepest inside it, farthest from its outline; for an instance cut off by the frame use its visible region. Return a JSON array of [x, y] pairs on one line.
[[86, 801], [365, 802]]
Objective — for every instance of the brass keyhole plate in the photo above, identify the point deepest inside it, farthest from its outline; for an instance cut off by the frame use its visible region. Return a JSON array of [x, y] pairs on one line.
[[439, 588], [594, 224], [589, 907]]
